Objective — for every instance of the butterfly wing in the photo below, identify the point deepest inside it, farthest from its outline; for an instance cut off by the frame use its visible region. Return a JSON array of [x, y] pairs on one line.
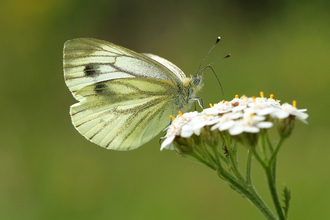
[[88, 61], [173, 68], [122, 114], [125, 97]]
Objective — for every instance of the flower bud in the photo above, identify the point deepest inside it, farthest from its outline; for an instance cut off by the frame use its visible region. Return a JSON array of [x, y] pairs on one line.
[[247, 139], [286, 125], [210, 137], [183, 145]]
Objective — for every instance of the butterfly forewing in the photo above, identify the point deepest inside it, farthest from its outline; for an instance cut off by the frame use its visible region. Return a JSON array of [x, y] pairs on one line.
[[88, 61], [173, 68]]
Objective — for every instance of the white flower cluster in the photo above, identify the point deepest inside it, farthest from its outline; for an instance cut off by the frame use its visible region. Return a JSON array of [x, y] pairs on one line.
[[236, 116]]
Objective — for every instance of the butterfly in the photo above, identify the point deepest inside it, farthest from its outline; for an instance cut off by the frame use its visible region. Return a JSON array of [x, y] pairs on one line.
[[125, 98]]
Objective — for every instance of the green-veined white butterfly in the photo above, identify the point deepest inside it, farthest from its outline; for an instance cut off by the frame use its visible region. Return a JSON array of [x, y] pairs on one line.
[[125, 98]]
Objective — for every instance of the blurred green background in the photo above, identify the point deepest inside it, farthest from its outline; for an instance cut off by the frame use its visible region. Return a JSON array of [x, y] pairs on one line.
[[49, 171]]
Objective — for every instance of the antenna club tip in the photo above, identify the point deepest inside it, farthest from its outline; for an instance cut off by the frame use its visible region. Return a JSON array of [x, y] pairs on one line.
[[218, 39], [229, 55]]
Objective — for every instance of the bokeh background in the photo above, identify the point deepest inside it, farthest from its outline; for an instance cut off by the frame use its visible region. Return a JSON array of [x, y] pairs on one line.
[[49, 171]]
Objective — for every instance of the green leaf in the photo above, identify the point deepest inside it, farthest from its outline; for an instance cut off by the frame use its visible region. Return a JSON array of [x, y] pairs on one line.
[[286, 200]]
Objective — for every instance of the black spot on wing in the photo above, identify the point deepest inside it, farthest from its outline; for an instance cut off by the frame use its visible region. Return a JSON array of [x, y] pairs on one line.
[[92, 70], [100, 88]]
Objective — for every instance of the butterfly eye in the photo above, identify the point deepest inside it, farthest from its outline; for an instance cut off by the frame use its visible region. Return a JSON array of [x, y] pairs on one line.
[[196, 81]]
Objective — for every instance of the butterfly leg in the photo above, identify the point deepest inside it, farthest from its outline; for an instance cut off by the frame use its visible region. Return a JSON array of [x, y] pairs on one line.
[[196, 99]]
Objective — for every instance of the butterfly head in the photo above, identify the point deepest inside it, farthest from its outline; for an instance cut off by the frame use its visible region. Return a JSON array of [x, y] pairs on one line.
[[198, 81]]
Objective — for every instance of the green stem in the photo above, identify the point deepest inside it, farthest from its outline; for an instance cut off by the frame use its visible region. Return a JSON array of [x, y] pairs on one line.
[[221, 171], [262, 143], [216, 155], [272, 160], [269, 142], [271, 184], [252, 197], [273, 192], [274, 154], [199, 159], [255, 153], [271, 148], [273, 169], [223, 158], [249, 173], [249, 169], [233, 160], [202, 153]]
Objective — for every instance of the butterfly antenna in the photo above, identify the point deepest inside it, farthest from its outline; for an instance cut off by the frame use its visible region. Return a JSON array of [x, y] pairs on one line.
[[208, 65], [215, 77], [217, 41]]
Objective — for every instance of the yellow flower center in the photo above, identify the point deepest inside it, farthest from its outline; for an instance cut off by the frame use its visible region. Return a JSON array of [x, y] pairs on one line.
[[294, 103]]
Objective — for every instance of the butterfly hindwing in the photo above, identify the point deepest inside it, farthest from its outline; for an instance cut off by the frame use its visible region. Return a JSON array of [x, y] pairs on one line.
[[122, 114]]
